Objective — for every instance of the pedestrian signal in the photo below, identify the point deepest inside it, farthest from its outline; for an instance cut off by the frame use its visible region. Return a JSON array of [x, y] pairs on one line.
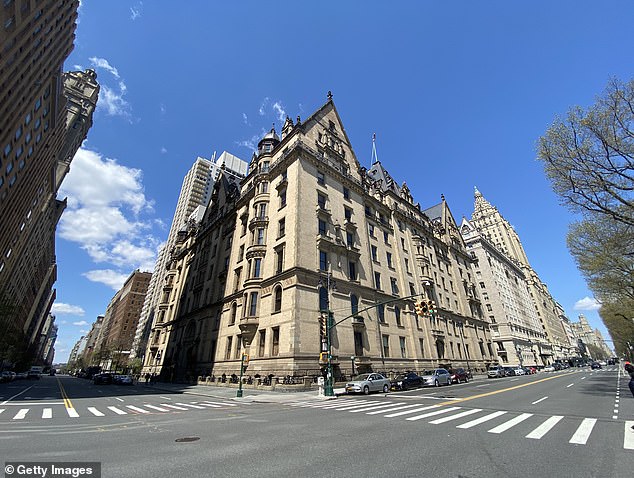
[[323, 357]]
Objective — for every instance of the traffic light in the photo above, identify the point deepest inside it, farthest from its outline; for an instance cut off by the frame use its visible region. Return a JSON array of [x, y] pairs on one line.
[[323, 325], [431, 307], [323, 358], [245, 359], [421, 308]]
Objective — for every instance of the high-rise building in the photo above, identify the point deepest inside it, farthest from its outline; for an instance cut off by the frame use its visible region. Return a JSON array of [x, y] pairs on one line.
[[497, 230], [35, 39], [515, 328], [195, 194], [311, 232]]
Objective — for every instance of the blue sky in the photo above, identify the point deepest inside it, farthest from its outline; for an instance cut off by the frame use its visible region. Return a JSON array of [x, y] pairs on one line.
[[457, 93]]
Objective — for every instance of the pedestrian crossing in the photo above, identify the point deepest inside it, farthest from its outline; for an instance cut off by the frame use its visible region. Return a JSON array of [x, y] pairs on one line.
[[11, 413], [533, 426]]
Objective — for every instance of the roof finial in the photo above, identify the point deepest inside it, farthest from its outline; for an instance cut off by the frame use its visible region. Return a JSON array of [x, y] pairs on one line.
[[375, 157], [442, 197], [329, 95], [476, 192]]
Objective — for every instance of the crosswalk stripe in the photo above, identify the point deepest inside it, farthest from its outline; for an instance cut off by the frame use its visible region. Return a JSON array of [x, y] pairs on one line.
[[431, 414], [481, 420], [72, 413], [211, 405], [374, 407], [95, 412], [21, 414], [511, 423], [173, 406], [351, 407], [137, 409], [545, 427], [337, 404], [118, 411], [583, 432], [47, 413], [392, 409], [456, 416], [190, 405], [1, 409], [398, 414], [628, 438], [159, 409], [228, 404]]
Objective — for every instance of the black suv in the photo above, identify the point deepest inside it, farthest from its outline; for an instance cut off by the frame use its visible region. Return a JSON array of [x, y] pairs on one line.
[[404, 381]]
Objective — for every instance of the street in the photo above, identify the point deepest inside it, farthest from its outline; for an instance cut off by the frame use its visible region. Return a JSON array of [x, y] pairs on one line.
[[575, 422]]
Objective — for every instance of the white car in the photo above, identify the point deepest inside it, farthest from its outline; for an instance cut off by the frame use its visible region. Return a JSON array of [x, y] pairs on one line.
[[549, 368], [368, 382], [520, 371]]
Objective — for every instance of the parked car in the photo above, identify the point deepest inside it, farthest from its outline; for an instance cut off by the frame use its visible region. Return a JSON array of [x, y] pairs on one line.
[[530, 370], [436, 377], [509, 371], [33, 375], [548, 368], [21, 375], [122, 379], [102, 379], [368, 382], [405, 381], [7, 376], [459, 375], [496, 371], [519, 371], [595, 365]]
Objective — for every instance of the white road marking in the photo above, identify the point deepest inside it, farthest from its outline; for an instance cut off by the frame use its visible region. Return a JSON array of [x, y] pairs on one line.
[[21, 404], [95, 412], [156, 408], [374, 407], [47, 413], [568, 386], [352, 407], [211, 405], [628, 438], [480, 420], [72, 413], [431, 414], [1, 410], [545, 427], [514, 380], [137, 409], [165, 398], [16, 395], [583, 378], [190, 405], [511, 423], [483, 385], [120, 399], [173, 406], [221, 403], [456, 416], [117, 411], [21, 414], [398, 414], [392, 409], [540, 400], [583, 432]]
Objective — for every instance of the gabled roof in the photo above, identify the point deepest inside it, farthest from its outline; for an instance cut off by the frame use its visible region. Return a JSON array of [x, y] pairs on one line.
[[378, 173]]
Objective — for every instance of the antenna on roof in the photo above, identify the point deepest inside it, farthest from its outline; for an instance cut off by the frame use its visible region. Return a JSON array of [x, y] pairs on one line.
[[375, 157]]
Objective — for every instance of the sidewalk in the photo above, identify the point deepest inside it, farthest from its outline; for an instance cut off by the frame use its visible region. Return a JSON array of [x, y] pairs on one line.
[[248, 395]]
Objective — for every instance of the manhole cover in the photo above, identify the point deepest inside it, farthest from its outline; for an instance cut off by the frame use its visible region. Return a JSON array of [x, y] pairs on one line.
[[187, 439]]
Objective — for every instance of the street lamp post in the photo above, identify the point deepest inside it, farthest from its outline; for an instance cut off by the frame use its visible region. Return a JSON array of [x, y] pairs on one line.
[[466, 353], [239, 393], [352, 359]]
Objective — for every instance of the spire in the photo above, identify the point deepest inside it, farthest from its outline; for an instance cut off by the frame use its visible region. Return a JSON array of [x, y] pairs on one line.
[[476, 192], [375, 157]]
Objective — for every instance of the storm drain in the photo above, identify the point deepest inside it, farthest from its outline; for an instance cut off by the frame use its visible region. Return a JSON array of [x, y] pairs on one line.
[[187, 439]]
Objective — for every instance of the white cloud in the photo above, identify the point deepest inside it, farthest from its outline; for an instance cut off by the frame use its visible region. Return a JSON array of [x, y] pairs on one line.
[[245, 119], [135, 12], [278, 108], [262, 109], [78, 67], [163, 150], [106, 217], [83, 331], [81, 323], [163, 109], [67, 309], [113, 102], [102, 63], [109, 277], [587, 303]]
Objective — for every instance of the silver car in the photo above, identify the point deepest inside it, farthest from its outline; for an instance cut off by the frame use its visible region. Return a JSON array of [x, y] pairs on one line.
[[436, 378], [368, 382]]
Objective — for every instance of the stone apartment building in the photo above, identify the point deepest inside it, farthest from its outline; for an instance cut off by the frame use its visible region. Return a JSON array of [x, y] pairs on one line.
[[310, 231]]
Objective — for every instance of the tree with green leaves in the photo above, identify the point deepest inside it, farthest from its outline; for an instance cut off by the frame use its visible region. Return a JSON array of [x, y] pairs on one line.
[[589, 156]]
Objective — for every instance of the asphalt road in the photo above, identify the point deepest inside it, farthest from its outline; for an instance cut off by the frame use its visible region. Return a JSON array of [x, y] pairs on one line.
[[569, 423]]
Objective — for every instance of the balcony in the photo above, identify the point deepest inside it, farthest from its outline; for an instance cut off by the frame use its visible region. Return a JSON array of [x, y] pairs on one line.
[[358, 322], [259, 221], [248, 327], [255, 250]]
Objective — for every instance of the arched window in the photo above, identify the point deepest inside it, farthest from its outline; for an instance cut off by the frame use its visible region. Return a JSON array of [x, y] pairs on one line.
[[323, 299], [354, 304], [234, 313], [277, 299]]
